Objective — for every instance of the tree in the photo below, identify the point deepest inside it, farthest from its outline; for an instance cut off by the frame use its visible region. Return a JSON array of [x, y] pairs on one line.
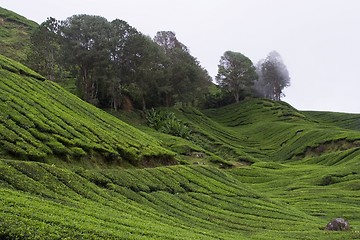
[[86, 47], [144, 60], [186, 81], [45, 50], [174, 74], [112, 93], [273, 76], [236, 73]]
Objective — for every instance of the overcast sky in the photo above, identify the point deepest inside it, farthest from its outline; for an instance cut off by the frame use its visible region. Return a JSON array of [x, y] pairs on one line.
[[319, 40]]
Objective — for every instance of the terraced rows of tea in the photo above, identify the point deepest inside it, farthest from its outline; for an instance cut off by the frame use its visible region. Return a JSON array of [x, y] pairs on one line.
[[40, 201], [263, 170], [39, 120], [281, 133]]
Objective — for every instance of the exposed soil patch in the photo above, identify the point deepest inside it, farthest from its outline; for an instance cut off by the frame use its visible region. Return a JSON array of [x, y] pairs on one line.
[[151, 162], [332, 146]]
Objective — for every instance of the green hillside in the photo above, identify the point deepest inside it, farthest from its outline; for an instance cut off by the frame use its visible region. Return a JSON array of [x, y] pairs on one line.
[[40, 121], [15, 32], [255, 170], [342, 120], [284, 134]]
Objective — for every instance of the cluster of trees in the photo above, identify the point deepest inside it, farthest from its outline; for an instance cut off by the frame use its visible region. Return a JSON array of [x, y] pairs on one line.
[[112, 62], [115, 65], [239, 77]]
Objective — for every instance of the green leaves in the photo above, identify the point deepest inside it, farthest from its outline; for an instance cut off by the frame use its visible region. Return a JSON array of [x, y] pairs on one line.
[[236, 73], [186, 81], [41, 201], [166, 122], [112, 63], [45, 53]]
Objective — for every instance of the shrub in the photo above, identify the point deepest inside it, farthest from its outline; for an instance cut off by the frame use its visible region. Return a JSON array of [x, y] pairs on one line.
[[167, 122]]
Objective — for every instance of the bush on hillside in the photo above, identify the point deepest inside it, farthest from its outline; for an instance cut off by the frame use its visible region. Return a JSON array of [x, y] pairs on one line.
[[167, 122]]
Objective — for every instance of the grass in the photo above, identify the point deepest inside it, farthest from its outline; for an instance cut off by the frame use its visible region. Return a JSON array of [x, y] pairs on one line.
[[255, 170]]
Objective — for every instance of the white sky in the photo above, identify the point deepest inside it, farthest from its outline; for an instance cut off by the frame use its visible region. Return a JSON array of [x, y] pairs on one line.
[[319, 40]]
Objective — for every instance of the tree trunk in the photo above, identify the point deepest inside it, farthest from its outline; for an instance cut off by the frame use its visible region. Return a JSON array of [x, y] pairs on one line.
[[167, 100], [85, 84], [237, 97], [143, 103]]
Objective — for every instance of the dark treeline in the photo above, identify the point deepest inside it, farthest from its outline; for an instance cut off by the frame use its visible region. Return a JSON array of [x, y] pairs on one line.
[[115, 66]]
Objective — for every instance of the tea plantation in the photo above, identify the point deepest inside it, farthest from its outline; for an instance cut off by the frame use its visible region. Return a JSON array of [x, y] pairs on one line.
[[255, 170], [39, 120], [15, 32]]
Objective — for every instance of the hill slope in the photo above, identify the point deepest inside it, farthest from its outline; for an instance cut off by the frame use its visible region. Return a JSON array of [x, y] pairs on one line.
[[308, 161], [262, 130], [162, 203], [290, 172], [15, 32], [39, 121], [284, 134], [342, 120]]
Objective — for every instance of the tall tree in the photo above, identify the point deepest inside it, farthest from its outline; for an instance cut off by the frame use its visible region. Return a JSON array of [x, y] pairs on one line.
[[186, 81], [236, 73], [45, 50], [273, 76], [86, 47], [172, 47], [113, 92], [144, 60]]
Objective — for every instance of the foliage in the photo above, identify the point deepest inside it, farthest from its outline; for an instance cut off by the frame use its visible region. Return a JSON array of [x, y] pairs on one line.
[[197, 202], [236, 73], [114, 89], [217, 97], [86, 40], [186, 81], [44, 55], [145, 69], [167, 122], [273, 77], [114, 63], [17, 68]]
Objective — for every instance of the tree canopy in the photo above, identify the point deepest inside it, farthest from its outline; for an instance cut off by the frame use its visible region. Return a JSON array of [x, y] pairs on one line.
[[113, 65], [186, 80], [45, 57], [112, 61], [273, 76], [236, 73]]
